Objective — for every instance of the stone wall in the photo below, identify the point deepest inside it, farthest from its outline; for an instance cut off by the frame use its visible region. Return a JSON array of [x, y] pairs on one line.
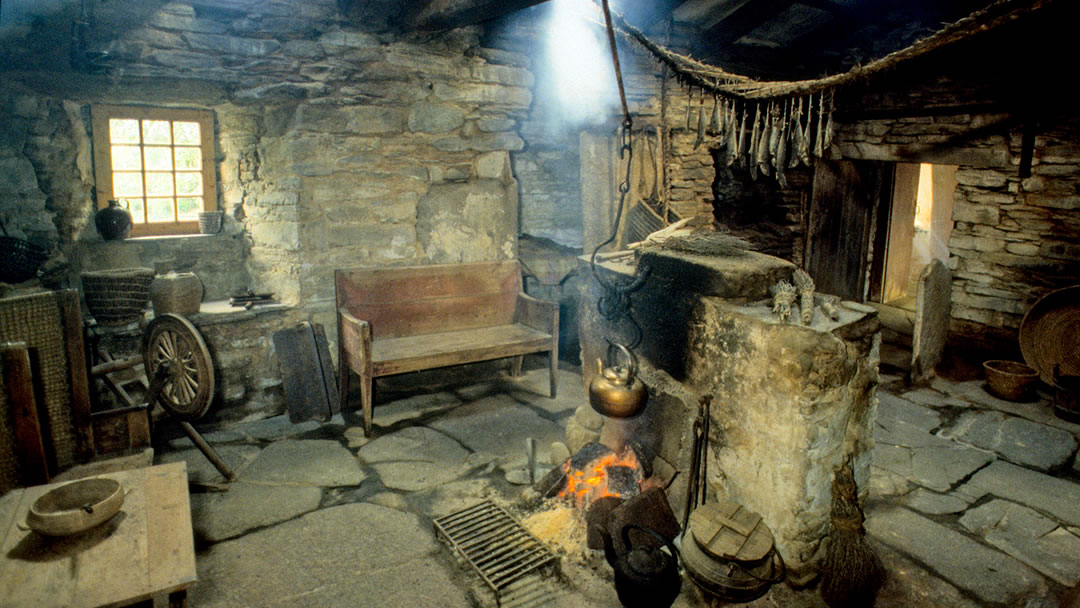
[[1014, 239], [335, 146]]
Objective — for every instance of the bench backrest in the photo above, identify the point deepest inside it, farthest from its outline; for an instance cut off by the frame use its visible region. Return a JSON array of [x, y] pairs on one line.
[[416, 300]]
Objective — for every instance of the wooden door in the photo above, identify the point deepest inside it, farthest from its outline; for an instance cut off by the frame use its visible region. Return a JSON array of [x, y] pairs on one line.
[[842, 207], [905, 191]]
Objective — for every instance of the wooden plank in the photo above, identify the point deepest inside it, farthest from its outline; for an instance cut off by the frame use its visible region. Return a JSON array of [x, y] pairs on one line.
[[394, 284], [80, 381], [146, 549], [904, 199], [426, 316], [449, 14], [838, 231], [171, 562], [398, 355], [115, 572], [310, 388], [22, 406]]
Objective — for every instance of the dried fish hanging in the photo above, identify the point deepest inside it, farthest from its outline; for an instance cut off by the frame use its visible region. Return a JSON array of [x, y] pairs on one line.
[[754, 141], [700, 121], [714, 123], [780, 162]]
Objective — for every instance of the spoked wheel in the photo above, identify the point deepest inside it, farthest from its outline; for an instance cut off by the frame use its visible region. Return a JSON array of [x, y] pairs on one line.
[[172, 344]]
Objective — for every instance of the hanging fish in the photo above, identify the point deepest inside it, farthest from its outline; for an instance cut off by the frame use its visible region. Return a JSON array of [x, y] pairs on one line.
[[819, 141], [689, 106], [775, 115], [733, 136], [755, 139], [829, 123], [762, 156], [782, 149], [804, 145], [742, 147], [700, 121], [796, 133], [714, 124]]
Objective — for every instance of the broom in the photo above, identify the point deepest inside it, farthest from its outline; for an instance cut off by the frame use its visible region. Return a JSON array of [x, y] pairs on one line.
[[851, 574]]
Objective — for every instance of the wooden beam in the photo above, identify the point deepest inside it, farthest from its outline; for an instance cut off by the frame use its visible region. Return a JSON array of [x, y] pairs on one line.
[[745, 20], [448, 14]]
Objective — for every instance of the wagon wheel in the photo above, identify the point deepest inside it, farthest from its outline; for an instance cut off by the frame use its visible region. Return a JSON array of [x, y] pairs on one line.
[[173, 344]]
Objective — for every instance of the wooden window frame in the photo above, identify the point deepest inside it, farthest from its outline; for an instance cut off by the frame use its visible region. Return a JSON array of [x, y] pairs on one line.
[[100, 115]]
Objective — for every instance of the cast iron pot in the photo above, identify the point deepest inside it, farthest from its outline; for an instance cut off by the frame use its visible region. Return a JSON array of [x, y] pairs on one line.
[[645, 577]]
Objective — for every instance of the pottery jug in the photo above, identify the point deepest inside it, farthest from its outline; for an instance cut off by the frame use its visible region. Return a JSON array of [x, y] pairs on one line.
[[113, 223]]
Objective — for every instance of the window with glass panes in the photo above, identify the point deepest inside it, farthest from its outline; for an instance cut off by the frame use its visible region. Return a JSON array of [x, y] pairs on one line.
[[158, 163]]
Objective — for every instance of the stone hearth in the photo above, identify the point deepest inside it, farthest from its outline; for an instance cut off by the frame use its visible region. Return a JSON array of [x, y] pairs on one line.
[[789, 401]]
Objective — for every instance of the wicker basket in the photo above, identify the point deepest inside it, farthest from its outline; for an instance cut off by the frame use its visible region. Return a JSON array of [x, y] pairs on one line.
[[117, 297], [1009, 380], [20, 259], [176, 293]]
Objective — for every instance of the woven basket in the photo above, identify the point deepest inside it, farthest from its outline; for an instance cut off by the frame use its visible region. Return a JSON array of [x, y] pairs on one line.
[[176, 293], [20, 259], [1010, 380], [117, 297]]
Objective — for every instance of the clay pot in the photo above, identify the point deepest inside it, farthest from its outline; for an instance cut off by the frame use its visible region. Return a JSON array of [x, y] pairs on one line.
[[113, 223]]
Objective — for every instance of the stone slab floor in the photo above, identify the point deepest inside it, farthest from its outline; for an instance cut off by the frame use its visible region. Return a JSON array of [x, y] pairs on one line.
[[973, 502]]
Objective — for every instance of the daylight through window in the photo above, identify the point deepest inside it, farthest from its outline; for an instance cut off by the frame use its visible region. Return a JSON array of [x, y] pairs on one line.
[[158, 163]]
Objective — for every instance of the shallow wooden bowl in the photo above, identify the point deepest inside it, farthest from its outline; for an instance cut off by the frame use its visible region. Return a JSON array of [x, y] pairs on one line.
[[75, 507]]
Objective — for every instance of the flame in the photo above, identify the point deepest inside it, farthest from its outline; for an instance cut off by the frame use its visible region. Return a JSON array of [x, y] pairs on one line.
[[586, 486]]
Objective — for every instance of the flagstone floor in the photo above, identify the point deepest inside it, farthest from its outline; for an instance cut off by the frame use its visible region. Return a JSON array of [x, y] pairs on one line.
[[973, 502]]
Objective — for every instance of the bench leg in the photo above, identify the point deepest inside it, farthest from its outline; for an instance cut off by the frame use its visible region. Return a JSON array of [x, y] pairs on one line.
[[515, 365], [554, 363], [365, 400], [343, 387]]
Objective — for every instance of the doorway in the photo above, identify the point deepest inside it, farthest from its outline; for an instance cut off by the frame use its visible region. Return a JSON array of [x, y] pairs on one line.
[[918, 214]]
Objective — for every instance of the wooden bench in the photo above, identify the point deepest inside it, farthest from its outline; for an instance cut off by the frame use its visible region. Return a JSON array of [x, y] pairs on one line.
[[401, 319]]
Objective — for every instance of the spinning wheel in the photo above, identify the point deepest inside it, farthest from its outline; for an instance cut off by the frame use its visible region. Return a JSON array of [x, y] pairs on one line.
[[175, 355]]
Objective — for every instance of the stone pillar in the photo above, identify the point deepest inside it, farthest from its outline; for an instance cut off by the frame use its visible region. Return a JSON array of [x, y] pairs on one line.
[[790, 403]]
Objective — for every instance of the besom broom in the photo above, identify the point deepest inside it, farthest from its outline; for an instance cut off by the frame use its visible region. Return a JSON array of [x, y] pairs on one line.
[[851, 573]]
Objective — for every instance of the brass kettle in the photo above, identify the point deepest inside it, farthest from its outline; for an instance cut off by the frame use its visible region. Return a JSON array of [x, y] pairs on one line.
[[616, 391]]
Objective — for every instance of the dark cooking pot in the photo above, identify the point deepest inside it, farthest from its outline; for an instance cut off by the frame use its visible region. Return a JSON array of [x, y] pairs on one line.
[[645, 576]]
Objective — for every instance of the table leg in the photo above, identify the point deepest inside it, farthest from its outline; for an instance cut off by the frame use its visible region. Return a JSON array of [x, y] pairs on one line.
[[178, 599]]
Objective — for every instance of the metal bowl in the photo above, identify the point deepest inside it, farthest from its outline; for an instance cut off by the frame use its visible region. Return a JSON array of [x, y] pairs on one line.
[[75, 507]]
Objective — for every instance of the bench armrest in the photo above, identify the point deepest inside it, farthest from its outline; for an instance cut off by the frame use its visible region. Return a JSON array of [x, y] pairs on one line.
[[354, 342], [537, 314]]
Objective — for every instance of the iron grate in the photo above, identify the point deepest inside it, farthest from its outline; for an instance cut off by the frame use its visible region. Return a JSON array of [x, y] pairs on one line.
[[499, 548]]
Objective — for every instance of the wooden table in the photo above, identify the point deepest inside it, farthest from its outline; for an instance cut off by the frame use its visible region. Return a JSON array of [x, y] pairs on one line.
[[145, 550]]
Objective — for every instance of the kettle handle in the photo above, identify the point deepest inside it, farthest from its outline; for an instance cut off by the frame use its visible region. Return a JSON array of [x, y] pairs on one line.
[[670, 545], [631, 360]]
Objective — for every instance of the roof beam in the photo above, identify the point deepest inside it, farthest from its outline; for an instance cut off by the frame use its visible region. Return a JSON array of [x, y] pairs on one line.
[[448, 14], [746, 19]]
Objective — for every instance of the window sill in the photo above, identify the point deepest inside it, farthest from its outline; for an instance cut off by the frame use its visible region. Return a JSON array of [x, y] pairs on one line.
[[171, 237], [219, 312]]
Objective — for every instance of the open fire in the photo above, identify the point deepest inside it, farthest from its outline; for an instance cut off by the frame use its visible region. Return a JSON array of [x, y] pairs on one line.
[[596, 472]]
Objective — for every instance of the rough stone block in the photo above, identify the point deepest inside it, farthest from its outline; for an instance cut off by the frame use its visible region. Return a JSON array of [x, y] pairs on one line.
[[964, 211], [982, 178], [1026, 535], [435, 118], [988, 574], [231, 45], [1058, 497]]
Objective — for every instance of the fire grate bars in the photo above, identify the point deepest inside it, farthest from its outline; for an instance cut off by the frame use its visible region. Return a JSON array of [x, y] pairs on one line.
[[499, 548]]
